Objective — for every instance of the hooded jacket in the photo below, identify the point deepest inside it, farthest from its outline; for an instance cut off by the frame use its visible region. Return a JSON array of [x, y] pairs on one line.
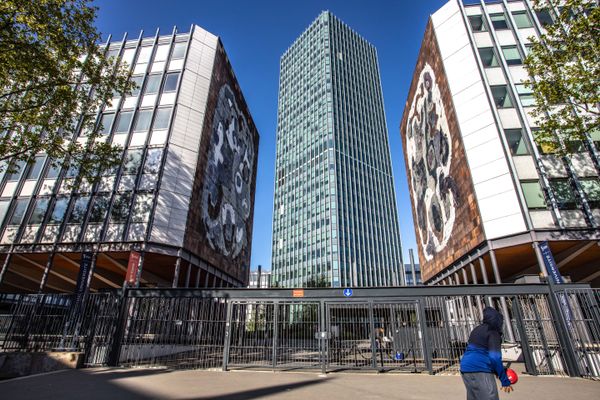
[[483, 352]]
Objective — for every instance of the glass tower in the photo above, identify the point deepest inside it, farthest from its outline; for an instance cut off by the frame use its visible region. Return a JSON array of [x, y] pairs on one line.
[[335, 221]]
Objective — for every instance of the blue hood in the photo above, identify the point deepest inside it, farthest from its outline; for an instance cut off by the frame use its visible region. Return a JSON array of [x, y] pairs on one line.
[[493, 319]]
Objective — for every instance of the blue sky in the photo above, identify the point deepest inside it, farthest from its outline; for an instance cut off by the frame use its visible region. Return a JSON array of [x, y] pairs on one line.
[[255, 34]]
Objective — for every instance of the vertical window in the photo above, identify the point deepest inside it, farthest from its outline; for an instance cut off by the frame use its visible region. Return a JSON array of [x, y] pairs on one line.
[[3, 209], [511, 55], [124, 122], [591, 188], [142, 208], [178, 50], [144, 117], [39, 210], [133, 161], [106, 123], [79, 210], [563, 193], [161, 121], [99, 209], [152, 84], [162, 52], [501, 96], [35, 168], [534, 196], [16, 170], [121, 208], [488, 57], [138, 81], [171, 82], [53, 170], [544, 17], [144, 56], [477, 24], [153, 158], [525, 95], [516, 142], [19, 212], [499, 21], [59, 210], [522, 19]]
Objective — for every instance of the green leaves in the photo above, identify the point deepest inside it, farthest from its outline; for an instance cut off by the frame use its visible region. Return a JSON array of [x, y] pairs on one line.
[[52, 72], [565, 65]]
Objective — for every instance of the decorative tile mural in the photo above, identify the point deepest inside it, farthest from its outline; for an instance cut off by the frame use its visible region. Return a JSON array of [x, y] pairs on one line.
[[429, 154], [445, 214]]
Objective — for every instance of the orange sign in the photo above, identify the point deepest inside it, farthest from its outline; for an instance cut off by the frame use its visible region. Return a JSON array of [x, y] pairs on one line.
[[298, 293], [132, 267]]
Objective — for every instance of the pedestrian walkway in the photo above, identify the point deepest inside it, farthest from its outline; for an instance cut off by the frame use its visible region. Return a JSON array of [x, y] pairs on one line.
[[91, 384]]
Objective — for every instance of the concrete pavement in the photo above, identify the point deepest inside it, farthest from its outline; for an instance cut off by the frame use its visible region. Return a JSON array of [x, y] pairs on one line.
[[91, 384]]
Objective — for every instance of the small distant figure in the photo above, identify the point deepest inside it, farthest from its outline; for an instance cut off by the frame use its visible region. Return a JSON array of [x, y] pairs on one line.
[[483, 359]]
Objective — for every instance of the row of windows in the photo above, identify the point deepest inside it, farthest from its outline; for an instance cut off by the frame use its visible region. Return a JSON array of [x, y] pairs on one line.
[[564, 193], [143, 120], [500, 21]]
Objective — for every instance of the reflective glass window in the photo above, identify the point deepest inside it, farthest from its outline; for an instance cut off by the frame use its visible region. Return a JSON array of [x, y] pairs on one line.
[[121, 208], [142, 208], [106, 123], [563, 193], [39, 211], [522, 19], [153, 159], [534, 196], [124, 122], [525, 95], [59, 210], [161, 121], [591, 188], [477, 24], [79, 210], [511, 55], [35, 168], [133, 161], [516, 142], [3, 209], [152, 84], [499, 21], [138, 81], [178, 50], [488, 57], [544, 17], [501, 96], [171, 82], [19, 212], [15, 171], [142, 123], [99, 208]]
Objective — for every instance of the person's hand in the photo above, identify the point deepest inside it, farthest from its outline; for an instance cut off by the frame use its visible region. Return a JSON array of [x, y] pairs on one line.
[[507, 389]]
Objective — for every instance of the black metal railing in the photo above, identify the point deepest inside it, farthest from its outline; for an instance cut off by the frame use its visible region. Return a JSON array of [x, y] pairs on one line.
[[554, 331]]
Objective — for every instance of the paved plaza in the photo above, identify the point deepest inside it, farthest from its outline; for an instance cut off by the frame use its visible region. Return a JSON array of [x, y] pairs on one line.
[[90, 384]]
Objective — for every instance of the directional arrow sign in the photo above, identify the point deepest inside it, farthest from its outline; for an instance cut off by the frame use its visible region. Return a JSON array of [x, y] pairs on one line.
[[347, 292]]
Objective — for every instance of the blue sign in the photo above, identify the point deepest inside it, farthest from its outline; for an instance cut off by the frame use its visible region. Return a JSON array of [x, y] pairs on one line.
[[551, 266], [347, 292], [399, 356]]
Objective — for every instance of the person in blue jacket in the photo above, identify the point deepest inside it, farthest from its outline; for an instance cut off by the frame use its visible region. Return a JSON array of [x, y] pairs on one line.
[[483, 359]]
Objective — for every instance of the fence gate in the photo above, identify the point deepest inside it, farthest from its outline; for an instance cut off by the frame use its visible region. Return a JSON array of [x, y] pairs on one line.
[[374, 335]]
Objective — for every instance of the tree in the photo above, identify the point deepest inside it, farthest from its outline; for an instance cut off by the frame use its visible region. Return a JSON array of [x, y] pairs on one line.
[[319, 281], [564, 64], [54, 77]]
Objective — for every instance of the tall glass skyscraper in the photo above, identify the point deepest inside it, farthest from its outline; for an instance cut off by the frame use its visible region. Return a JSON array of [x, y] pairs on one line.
[[335, 220]]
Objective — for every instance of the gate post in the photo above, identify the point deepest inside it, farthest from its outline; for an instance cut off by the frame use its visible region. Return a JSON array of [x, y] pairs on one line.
[[275, 333], [115, 350], [563, 333], [227, 340], [424, 336], [323, 341], [525, 347], [373, 341]]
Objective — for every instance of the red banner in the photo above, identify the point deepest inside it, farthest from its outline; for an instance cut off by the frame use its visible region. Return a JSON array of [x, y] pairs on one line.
[[132, 267]]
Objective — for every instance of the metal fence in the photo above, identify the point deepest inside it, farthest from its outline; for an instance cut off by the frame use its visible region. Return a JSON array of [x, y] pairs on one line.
[[417, 329]]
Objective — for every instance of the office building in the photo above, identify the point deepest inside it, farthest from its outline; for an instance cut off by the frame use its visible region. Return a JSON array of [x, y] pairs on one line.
[[488, 203], [177, 212], [334, 219]]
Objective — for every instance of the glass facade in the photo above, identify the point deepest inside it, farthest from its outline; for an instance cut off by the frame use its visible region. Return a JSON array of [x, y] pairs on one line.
[[334, 214]]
